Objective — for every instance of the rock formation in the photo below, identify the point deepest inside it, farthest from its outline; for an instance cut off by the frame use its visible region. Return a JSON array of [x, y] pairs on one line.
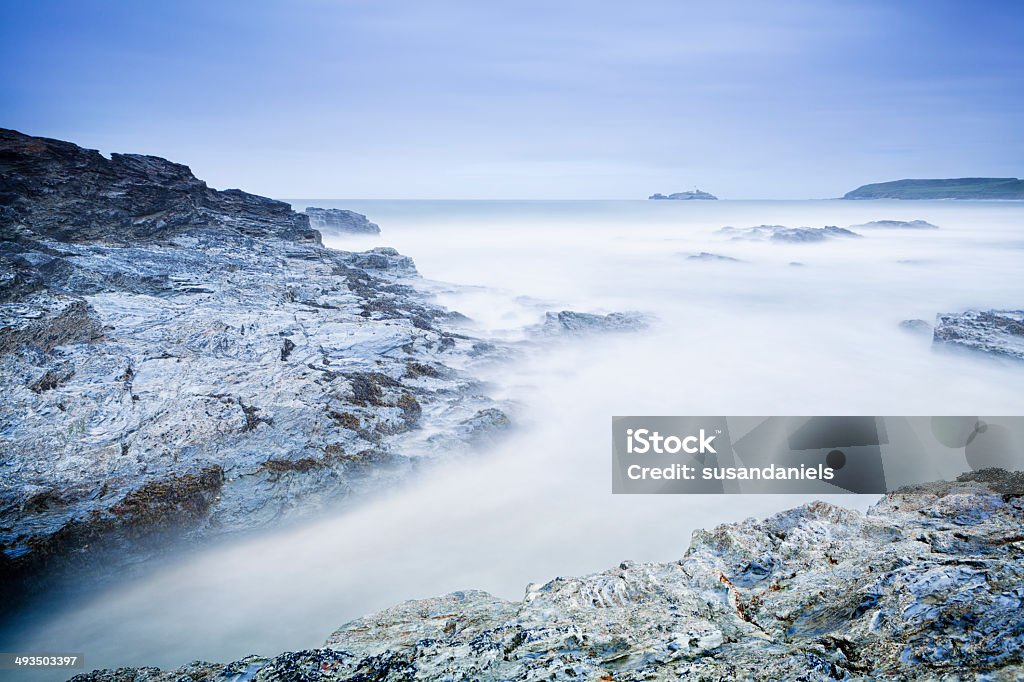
[[712, 257], [570, 322], [926, 585], [179, 362], [781, 233], [916, 326], [998, 332], [59, 191], [340, 220], [692, 195]]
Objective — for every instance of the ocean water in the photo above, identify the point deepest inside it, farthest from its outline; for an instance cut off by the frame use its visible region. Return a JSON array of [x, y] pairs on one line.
[[791, 329]]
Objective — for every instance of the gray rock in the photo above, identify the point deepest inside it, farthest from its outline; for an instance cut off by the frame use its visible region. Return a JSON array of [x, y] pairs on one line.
[[340, 220], [898, 225], [59, 190], [926, 585], [486, 426], [916, 326], [384, 259], [997, 332], [569, 322], [781, 233], [205, 369], [691, 195], [45, 322], [712, 257]]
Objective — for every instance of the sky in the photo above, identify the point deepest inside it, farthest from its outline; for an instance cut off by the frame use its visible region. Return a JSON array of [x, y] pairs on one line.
[[531, 99]]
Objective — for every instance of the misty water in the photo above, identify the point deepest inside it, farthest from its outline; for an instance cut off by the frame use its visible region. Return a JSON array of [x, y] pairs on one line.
[[762, 336]]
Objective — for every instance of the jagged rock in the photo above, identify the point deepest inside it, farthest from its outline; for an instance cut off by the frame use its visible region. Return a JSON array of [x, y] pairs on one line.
[[781, 233], [712, 257], [340, 220], [926, 585], [573, 323], [685, 196], [58, 190], [177, 362], [898, 225], [384, 259], [45, 322], [916, 326], [998, 332]]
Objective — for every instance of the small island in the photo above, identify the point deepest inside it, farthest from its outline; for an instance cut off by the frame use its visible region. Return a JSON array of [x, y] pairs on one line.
[[696, 194], [954, 188]]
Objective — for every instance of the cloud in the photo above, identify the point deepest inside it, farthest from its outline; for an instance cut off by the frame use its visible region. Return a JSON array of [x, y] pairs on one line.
[[314, 97]]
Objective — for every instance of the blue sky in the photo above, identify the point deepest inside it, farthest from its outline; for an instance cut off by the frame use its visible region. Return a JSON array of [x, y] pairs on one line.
[[527, 99]]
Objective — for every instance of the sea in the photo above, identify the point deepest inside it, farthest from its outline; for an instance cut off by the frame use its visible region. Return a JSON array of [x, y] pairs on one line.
[[784, 329]]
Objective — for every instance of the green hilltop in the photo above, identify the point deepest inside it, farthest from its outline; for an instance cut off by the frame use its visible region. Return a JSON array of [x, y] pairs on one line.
[[955, 188]]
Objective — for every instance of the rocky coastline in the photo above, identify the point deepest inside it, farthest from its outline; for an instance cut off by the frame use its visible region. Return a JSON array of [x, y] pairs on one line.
[[926, 585], [178, 363]]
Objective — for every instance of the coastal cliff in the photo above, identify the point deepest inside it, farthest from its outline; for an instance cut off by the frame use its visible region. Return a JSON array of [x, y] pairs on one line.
[[926, 585], [177, 363], [955, 188]]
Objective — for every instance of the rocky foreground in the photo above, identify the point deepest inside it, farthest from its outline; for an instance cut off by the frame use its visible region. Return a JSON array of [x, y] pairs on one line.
[[178, 362], [929, 584]]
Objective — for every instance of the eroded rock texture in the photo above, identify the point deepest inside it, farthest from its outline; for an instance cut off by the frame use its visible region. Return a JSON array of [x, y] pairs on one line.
[[181, 362], [997, 332], [929, 584]]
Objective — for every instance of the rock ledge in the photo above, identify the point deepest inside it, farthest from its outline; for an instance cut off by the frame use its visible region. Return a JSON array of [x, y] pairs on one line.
[[926, 585]]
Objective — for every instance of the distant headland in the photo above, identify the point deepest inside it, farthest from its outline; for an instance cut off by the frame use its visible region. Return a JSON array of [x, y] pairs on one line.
[[955, 188], [686, 196]]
